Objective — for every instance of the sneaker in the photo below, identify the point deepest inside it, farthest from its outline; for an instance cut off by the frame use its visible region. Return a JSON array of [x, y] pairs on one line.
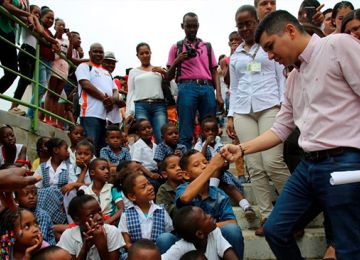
[[250, 214], [17, 111]]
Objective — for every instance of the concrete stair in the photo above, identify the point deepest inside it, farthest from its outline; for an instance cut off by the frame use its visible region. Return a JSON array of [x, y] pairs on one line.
[[312, 245]]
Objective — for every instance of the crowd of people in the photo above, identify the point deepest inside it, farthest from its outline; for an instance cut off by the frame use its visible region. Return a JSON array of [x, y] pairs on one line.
[[146, 174]]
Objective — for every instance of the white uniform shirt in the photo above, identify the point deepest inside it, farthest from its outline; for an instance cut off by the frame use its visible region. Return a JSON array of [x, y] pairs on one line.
[[53, 174], [101, 79], [254, 91], [146, 222], [104, 199], [141, 152], [72, 241], [215, 248]]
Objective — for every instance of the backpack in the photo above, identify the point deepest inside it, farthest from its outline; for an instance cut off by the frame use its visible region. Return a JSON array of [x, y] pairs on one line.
[[76, 99], [180, 45]]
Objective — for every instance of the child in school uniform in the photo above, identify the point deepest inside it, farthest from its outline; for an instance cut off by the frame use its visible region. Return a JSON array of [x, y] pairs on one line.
[[170, 144], [209, 144], [76, 134], [171, 170], [10, 151], [144, 218], [27, 198], [143, 151], [197, 192], [55, 176], [199, 232], [100, 189], [114, 152], [42, 152], [91, 238]]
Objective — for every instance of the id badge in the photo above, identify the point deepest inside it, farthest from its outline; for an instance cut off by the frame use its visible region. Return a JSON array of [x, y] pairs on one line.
[[254, 67]]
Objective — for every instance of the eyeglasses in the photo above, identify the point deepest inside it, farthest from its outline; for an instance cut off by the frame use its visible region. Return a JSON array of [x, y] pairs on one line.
[[247, 24]]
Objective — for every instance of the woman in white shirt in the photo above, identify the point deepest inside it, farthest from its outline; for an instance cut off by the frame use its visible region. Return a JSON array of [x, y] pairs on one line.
[[256, 86], [145, 96]]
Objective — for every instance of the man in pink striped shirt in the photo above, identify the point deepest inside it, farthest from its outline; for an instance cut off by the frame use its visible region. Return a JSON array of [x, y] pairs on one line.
[[322, 98]]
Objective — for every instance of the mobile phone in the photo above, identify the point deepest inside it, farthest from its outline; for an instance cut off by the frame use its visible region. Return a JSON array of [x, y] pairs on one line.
[[66, 30], [310, 12]]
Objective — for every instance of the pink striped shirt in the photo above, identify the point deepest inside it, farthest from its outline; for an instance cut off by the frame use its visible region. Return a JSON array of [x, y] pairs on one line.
[[322, 97]]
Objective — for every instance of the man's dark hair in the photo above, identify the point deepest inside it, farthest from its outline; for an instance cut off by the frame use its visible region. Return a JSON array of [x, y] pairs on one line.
[[184, 161], [355, 14], [247, 8], [141, 244], [76, 33], [313, 3], [329, 10], [275, 22], [185, 224], [45, 253], [190, 14]]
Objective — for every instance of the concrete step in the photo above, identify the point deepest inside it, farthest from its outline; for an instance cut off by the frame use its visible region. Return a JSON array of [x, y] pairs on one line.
[[312, 245], [245, 225]]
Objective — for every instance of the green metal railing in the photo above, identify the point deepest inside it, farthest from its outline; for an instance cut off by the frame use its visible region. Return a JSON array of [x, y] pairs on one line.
[[35, 79]]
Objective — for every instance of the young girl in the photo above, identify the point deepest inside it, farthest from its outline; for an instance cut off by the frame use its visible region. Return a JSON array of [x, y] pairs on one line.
[[101, 190], [76, 134], [55, 176], [143, 219], [340, 10], [144, 150], [47, 55], [92, 238], [60, 73], [351, 24], [41, 151], [10, 151], [20, 234]]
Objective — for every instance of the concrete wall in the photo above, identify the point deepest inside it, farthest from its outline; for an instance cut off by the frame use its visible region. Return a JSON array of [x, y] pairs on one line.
[[22, 129]]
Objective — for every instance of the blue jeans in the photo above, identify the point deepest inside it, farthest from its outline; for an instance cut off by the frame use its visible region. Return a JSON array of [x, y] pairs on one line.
[[156, 113], [308, 192], [193, 97], [95, 129], [232, 233], [165, 241], [44, 76]]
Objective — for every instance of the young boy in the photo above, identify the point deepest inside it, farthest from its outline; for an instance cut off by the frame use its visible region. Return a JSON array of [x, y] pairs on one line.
[[100, 189], [199, 232], [144, 249], [197, 192], [171, 170], [114, 152], [27, 198], [170, 143], [209, 146]]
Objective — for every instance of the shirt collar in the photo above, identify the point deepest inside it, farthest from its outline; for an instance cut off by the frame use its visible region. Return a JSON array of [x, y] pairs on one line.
[[105, 188], [305, 56], [241, 48], [61, 166]]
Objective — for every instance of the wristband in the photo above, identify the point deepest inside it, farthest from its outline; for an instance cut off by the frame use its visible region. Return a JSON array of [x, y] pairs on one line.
[[242, 150], [214, 182]]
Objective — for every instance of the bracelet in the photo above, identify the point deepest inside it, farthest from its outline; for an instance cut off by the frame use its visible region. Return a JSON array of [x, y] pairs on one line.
[[242, 150]]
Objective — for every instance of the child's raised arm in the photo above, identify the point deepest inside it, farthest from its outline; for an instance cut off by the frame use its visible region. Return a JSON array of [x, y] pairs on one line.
[[196, 185]]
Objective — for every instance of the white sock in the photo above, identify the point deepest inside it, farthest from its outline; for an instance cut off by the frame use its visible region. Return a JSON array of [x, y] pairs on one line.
[[214, 182], [244, 204]]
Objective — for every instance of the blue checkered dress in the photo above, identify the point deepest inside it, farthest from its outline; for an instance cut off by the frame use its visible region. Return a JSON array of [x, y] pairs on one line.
[[46, 225], [163, 150], [108, 154], [133, 223], [50, 198]]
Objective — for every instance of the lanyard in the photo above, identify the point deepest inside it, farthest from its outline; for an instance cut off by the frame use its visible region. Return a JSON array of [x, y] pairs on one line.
[[252, 55]]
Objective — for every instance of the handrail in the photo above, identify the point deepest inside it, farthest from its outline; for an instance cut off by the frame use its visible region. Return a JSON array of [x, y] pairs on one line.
[[35, 81]]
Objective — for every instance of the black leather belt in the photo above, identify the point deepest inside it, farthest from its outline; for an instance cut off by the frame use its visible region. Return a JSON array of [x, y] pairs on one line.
[[197, 81], [151, 100], [324, 154]]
